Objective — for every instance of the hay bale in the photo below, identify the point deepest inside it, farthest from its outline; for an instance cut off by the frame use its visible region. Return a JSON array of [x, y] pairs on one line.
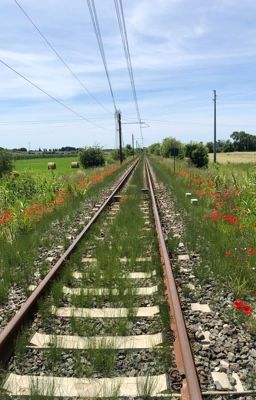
[[15, 174], [51, 165], [75, 164]]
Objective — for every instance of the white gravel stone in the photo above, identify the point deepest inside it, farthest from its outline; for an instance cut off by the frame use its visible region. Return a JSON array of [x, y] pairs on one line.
[[183, 257], [222, 379], [204, 308]]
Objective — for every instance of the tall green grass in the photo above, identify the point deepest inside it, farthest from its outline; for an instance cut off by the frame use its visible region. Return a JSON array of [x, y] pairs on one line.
[[19, 247], [215, 239]]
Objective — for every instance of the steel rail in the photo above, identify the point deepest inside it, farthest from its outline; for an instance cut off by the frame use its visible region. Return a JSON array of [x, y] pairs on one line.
[[191, 387], [9, 333]]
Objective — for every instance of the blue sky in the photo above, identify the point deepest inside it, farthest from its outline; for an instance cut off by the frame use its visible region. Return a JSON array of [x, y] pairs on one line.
[[181, 50]]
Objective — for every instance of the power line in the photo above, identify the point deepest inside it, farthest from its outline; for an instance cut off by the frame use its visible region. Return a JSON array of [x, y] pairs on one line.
[[48, 94], [40, 122], [124, 37], [96, 26], [61, 58]]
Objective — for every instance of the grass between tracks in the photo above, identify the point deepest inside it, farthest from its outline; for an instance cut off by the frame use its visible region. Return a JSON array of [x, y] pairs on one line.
[[221, 227], [21, 240], [124, 236]]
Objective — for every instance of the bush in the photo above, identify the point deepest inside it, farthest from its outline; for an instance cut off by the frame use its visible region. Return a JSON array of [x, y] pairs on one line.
[[5, 162], [116, 154], [92, 157], [189, 148], [199, 156]]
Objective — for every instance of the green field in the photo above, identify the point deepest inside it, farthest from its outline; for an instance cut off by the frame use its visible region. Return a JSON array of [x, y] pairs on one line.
[[38, 166], [235, 157]]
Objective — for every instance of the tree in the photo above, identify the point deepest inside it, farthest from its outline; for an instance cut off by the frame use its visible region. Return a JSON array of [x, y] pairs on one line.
[[228, 147], [155, 148], [168, 144], [199, 156], [243, 141], [92, 157], [115, 154], [5, 162], [128, 150], [209, 145]]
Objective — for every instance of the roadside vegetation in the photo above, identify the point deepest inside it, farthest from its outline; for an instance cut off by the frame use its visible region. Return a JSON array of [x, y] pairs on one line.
[[30, 207], [222, 226], [5, 162]]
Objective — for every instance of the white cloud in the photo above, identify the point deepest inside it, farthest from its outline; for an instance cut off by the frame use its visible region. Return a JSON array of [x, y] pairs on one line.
[[180, 50]]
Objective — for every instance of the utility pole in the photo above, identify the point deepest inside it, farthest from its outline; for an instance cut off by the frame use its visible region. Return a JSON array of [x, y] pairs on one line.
[[118, 116], [214, 138], [132, 145]]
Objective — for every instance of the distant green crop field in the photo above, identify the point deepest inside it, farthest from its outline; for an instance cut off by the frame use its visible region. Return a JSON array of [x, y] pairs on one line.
[[38, 166], [235, 157]]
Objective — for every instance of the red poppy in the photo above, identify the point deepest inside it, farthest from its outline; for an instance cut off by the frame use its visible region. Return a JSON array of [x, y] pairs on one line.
[[6, 216], [228, 253], [251, 251], [216, 215], [200, 192], [247, 309], [232, 220], [238, 304]]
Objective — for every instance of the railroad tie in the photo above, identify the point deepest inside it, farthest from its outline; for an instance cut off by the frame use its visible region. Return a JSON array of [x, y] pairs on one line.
[[42, 341], [105, 312], [131, 275], [18, 385], [140, 291]]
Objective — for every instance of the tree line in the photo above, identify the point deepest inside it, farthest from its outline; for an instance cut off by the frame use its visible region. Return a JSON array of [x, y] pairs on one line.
[[241, 141]]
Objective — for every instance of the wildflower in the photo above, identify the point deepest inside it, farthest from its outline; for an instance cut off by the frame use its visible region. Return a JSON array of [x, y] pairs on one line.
[[238, 304], [216, 215], [200, 192], [247, 309], [232, 220], [6, 216], [251, 251], [228, 253], [218, 204]]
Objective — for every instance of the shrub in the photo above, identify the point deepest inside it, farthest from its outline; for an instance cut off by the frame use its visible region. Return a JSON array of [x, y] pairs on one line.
[[189, 148], [199, 156], [92, 157], [116, 154], [5, 162]]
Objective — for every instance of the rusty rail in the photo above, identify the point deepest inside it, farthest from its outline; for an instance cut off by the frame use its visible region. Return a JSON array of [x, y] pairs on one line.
[[9, 333], [191, 387]]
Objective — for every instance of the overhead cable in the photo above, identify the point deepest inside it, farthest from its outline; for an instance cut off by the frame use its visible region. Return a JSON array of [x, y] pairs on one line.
[[96, 26], [60, 57], [125, 42], [49, 95]]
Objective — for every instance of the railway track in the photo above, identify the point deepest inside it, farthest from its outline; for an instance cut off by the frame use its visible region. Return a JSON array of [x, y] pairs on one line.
[[99, 325]]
